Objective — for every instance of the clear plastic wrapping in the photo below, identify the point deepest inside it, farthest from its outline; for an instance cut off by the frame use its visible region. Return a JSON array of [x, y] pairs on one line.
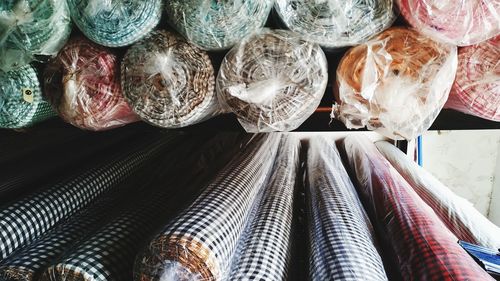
[[395, 84], [272, 81], [169, 82]]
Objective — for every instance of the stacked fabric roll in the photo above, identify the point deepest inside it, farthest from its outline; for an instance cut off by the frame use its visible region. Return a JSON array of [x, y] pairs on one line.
[[169, 82], [396, 84], [83, 86], [334, 24], [272, 81], [115, 23]]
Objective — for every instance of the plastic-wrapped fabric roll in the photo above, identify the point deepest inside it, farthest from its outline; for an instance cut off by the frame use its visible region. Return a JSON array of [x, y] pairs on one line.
[[217, 25], [423, 247], [335, 24], [169, 82], [83, 86], [459, 23], [272, 81], [116, 23], [21, 100], [31, 29], [343, 245], [395, 84], [458, 214], [476, 89]]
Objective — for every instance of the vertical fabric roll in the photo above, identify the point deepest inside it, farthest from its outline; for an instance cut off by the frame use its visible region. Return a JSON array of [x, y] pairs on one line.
[[336, 24], [458, 214], [115, 23], [272, 81], [30, 30], [168, 82], [395, 84], [217, 25], [83, 86], [423, 247], [21, 100]]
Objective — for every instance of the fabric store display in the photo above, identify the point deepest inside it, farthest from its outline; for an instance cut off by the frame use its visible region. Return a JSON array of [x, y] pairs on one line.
[[115, 23], [168, 82], [458, 214], [460, 23], [336, 24], [476, 90], [395, 84], [340, 233], [83, 86], [31, 30], [272, 81], [422, 246], [217, 25]]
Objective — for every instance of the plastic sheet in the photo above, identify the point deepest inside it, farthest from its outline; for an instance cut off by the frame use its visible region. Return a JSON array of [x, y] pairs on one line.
[[395, 84], [217, 25], [335, 24], [424, 249], [116, 23], [169, 82], [83, 86], [272, 81]]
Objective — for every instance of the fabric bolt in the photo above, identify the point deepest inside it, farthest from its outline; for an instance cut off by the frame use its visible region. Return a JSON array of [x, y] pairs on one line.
[[217, 25], [423, 247], [168, 82], [116, 23], [272, 81], [342, 240], [395, 84]]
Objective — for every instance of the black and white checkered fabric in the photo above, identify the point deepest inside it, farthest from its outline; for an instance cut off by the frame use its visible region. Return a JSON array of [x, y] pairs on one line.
[[342, 240]]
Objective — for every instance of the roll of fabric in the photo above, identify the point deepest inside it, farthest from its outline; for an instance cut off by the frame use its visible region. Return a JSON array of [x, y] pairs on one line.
[[476, 90], [169, 82], [336, 24], [217, 25], [423, 247], [21, 100], [460, 23], [83, 86], [395, 84], [342, 240], [30, 30], [116, 23], [272, 81]]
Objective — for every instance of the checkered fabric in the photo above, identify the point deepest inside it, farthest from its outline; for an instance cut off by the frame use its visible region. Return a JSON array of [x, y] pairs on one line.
[[343, 245], [422, 245]]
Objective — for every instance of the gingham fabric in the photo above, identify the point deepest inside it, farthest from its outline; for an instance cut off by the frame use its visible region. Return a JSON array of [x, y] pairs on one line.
[[423, 247], [342, 240]]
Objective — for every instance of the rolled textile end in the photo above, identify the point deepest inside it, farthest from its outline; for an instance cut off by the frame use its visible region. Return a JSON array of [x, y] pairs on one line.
[[395, 84]]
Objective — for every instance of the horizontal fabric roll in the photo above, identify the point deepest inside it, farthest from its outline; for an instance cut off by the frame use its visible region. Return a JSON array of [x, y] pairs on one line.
[[343, 245], [395, 84], [31, 30], [272, 81], [217, 25], [168, 82], [421, 244], [83, 86], [335, 24], [115, 23]]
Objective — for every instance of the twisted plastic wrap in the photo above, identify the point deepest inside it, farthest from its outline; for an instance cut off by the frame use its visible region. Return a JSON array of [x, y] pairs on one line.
[[458, 22], [83, 86], [272, 81], [169, 82], [217, 25], [31, 29], [333, 23], [115, 23], [395, 84]]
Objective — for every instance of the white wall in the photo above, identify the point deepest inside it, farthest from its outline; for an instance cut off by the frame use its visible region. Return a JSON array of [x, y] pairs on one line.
[[494, 213]]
